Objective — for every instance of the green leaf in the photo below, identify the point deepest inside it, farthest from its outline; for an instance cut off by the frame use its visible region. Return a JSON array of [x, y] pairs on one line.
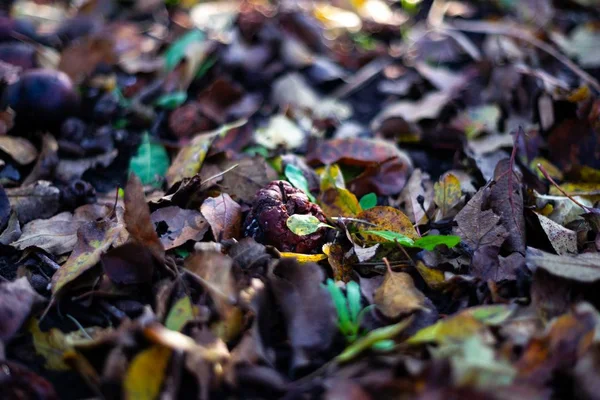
[[150, 162], [353, 296], [176, 52], [393, 237], [304, 224], [257, 150], [431, 241], [171, 101], [180, 314], [376, 335], [368, 201], [295, 176]]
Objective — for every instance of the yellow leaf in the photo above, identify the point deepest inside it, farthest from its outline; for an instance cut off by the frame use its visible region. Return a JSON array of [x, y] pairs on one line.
[[51, 345], [447, 193], [387, 219], [434, 278], [398, 295], [589, 191], [335, 199], [146, 373], [304, 258]]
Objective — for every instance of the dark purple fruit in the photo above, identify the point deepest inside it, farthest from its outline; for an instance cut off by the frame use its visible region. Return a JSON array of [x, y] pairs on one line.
[[267, 220], [20, 54], [43, 97]]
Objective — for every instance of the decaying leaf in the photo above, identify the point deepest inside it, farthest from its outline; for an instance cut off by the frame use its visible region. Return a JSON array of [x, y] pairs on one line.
[[137, 218], [180, 225], [387, 218], [479, 228], [563, 240], [311, 325], [335, 199], [93, 239], [581, 268], [224, 216], [398, 295]]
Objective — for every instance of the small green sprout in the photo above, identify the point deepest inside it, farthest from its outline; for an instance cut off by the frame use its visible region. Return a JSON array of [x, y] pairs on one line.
[[349, 308]]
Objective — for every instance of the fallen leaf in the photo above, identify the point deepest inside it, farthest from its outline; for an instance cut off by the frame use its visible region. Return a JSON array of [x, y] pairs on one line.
[[38, 200], [304, 224], [479, 228], [296, 177], [580, 268], [12, 231], [189, 160], [82, 57], [150, 162], [93, 239], [224, 216], [180, 314], [563, 240], [180, 225], [73, 169], [146, 374], [398, 295], [387, 218], [419, 184], [20, 149], [462, 326], [311, 325], [250, 175], [506, 200], [447, 194], [580, 44], [280, 132], [428, 107], [18, 300], [56, 235], [355, 151], [137, 218]]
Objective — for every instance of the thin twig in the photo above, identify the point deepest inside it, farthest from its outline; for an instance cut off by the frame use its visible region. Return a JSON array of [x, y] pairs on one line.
[[547, 176]]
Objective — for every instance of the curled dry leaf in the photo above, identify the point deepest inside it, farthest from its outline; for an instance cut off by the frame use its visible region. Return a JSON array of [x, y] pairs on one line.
[[137, 218], [223, 215]]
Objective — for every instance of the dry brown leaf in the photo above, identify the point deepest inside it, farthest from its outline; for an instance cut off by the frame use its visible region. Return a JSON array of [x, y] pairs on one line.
[[137, 218], [224, 216], [398, 295]]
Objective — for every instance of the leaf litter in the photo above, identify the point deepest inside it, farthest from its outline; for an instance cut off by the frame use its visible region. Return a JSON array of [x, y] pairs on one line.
[[272, 200]]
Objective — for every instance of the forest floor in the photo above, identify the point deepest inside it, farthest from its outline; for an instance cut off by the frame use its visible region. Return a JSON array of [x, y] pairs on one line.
[[357, 199]]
